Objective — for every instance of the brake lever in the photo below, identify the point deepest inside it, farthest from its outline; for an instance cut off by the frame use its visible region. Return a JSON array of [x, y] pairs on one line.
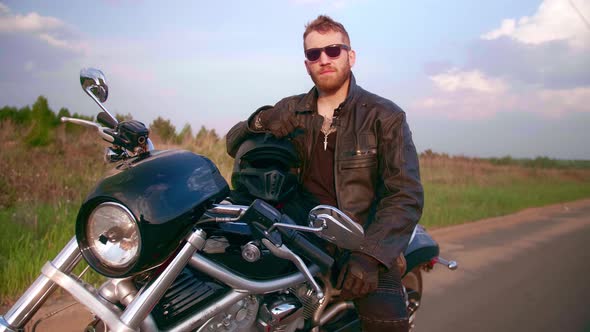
[[102, 131], [284, 252], [298, 227]]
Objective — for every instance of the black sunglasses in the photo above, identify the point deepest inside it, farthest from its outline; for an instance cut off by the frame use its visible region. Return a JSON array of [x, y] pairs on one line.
[[333, 51]]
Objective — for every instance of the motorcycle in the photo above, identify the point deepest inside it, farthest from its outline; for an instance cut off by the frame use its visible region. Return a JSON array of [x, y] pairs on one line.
[[179, 257]]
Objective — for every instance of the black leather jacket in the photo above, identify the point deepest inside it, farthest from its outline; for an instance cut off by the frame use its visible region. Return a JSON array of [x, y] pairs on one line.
[[376, 171]]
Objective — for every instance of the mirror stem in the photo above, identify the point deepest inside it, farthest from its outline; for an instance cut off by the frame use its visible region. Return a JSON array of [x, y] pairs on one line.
[[88, 92]]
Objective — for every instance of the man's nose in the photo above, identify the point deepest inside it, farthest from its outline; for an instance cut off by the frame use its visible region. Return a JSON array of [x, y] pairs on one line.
[[324, 58]]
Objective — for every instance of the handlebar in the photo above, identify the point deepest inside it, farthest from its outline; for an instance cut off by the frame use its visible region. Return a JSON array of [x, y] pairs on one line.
[[130, 135], [102, 131], [300, 244], [288, 243], [263, 213]]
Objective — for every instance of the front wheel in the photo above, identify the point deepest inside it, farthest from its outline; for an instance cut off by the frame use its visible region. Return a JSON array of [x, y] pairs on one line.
[[413, 285]]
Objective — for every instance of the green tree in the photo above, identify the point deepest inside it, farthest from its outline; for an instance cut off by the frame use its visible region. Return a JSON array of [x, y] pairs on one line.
[[206, 137], [63, 112], [43, 122], [163, 129], [123, 117], [18, 116], [186, 134]]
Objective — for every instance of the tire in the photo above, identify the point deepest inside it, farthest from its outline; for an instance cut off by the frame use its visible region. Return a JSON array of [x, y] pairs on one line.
[[413, 285]]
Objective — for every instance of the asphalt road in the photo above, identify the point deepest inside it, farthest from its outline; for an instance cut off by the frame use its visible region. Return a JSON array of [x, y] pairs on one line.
[[525, 272]]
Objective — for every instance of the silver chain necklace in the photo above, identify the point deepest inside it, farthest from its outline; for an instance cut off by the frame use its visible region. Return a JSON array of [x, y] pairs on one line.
[[327, 129]]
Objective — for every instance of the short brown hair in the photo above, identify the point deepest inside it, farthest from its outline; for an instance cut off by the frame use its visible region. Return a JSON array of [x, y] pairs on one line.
[[323, 24]]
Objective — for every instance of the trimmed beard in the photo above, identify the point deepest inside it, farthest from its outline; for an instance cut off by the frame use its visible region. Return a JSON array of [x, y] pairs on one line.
[[333, 84]]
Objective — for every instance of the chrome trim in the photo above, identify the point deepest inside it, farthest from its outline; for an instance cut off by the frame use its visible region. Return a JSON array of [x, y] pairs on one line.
[[285, 253], [34, 297], [339, 228], [87, 90], [85, 297], [137, 311], [250, 252], [297, 227], [149, 325], [243, 285], [150, 145], [413, 235], [283, 310], [194, 321], [5, 327], [94, 78], [100, 129], [331, 292], [89, 251], [451, 265], [230, 209], [334, 310], [123, 291], [118, 290]]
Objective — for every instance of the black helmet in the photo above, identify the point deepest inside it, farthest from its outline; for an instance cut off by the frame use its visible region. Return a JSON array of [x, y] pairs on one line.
[[263, 168]]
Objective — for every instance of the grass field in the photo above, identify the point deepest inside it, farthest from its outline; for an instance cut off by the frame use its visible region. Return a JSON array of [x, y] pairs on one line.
[[42, 187]]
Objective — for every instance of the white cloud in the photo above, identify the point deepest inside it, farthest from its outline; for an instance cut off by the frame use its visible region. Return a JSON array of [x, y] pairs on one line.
[[477, 104], [45, 28], [521, 73], [31, 22], [77, 47], [475, 80], [558, 102], [554, 20]]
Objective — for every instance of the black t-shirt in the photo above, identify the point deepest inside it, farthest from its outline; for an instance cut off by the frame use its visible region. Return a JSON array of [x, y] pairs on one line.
[[320, 178]]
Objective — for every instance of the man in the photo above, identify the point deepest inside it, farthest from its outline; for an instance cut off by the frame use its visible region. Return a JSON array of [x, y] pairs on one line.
[[357, 154]]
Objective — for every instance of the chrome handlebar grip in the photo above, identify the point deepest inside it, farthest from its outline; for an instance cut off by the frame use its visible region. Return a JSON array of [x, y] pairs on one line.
[[451, 265], [100, 129]]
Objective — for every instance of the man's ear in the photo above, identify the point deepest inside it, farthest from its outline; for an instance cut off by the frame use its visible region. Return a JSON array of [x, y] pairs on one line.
[[307, 67], [351, 57]]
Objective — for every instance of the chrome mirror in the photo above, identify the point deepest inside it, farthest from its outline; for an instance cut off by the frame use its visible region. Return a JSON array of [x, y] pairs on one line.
[[93, 81], [338, 228], [94, 84]]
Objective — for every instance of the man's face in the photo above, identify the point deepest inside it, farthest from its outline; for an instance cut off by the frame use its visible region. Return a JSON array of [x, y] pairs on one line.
[[328, 74]]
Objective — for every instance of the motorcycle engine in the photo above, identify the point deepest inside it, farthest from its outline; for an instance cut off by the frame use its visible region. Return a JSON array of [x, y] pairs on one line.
[[240, 317], [276, 313], [281, 313]]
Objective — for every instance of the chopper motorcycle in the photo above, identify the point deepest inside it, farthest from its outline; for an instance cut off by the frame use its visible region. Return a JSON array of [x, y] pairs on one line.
[[179, 257]]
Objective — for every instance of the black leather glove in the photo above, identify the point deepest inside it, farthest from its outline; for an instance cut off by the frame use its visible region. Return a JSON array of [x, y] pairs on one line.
[[358, 277], [280, 123]]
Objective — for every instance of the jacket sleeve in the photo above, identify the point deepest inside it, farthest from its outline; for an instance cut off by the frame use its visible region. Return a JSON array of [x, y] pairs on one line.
[[400, 196], [240, 132]]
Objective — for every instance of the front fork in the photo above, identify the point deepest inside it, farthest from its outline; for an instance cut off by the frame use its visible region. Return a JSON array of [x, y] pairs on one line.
[[28, 304], [57, 272]]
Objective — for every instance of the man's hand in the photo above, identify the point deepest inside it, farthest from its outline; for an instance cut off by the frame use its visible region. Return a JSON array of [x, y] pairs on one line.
[[359, 276], [280, 123]]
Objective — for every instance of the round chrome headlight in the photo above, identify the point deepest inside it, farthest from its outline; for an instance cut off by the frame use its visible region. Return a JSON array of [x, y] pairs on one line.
[[112, 236]]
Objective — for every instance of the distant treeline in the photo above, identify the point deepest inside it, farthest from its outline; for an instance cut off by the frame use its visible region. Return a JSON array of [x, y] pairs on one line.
[[541, 162], [39, 122], [538, 162]]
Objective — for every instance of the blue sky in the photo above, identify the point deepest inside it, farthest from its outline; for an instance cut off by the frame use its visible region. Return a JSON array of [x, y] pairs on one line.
[[476, 78]]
